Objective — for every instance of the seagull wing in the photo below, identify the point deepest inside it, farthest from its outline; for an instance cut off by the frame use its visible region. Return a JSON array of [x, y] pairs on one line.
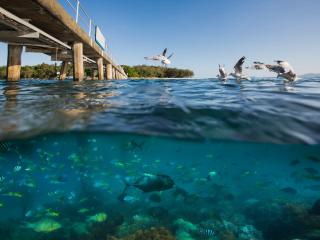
[[164, 52], [238, 66], [171, 56], [259, 66], [154, 58], [286, 65], [222, 72], [275, 68]]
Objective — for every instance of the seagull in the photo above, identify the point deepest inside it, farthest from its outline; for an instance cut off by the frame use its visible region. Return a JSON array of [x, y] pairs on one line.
[[286, 71], [223, 75], [161, 57], [282, 68], [238, 70], [258, 66]]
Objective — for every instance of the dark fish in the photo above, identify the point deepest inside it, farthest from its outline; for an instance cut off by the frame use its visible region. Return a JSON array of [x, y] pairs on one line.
[[229, 197], [289, 190], [133, 146], [5, 147], [314, 159], [149, 183], [61, 178], [311, 171], [294, 162]]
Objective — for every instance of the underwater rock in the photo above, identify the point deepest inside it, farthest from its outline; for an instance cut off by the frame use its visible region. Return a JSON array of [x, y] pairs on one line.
[[181, 235], [290, 221], [136, 223], [185, 229], [227, 235], [184, 225], [248, 232], [150, 234], [158, 212], [263, 214]]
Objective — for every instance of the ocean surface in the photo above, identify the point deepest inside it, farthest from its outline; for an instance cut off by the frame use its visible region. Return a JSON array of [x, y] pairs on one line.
[[160, 159]]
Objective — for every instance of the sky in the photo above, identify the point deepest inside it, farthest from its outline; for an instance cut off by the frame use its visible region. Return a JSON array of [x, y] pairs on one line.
[[205, 33]]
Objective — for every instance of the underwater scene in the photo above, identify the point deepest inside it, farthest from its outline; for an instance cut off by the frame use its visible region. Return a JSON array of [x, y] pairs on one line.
[[159, 159]]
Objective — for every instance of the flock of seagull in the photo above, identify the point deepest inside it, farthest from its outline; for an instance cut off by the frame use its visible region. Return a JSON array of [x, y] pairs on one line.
[[283, 69]]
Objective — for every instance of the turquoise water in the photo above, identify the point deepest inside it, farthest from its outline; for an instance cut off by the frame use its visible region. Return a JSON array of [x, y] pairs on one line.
[[244, 160]]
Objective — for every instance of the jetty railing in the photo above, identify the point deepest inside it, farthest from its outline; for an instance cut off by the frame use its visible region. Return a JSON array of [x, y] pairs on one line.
[[83, 19]]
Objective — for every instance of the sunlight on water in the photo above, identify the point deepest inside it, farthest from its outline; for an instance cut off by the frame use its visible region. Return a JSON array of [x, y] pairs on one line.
[[264, 110]]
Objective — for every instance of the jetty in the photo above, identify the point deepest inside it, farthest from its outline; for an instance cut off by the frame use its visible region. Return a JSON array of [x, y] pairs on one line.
[[65, 34]]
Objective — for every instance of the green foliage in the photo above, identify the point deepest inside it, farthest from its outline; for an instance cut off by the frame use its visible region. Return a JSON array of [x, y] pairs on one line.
[[49, 71], [3, 72], [144, 71], [41, 71]]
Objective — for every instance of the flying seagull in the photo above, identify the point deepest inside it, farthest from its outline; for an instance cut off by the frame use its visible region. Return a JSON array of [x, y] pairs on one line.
[[161, 57], [223, 75], [286, 71], [238, 70], [282, 69]]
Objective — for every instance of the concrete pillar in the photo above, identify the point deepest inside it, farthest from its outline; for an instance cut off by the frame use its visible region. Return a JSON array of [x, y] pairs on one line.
[[113, 73], [109, 71], [14, 62], [100, 69], [78, 69], [63, 70]]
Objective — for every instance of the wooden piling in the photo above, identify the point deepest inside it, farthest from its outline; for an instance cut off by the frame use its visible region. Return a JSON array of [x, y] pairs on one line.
[[63, 70], [14, 62], [78, 69], [113, 73], [100, 69], [109, 71]]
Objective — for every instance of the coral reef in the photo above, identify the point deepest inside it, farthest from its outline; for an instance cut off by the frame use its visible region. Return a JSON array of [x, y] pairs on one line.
[[227, 235], [286, 221], [150, 234], [185, 229], [136, 223]]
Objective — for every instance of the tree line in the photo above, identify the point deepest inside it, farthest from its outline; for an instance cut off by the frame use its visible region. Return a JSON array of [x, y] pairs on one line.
[[51, 71], [42, 71], [143, 71]]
